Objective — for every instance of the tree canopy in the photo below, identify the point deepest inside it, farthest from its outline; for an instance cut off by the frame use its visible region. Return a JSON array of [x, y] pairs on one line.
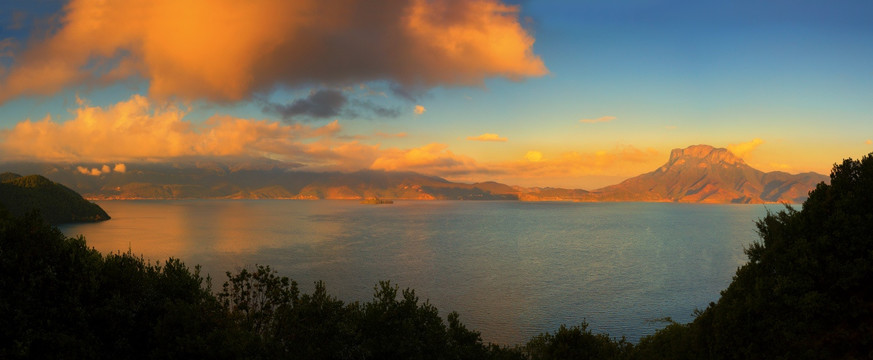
[[807, 289]]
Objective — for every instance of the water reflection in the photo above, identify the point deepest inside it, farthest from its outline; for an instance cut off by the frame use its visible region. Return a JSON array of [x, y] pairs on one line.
[[511, 269], [155, 229]]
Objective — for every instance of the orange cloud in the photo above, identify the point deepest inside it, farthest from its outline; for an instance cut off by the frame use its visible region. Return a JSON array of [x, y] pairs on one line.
[[418, 110], [434, 159], [227, 50], [578, 164], [487, 137], [533, 156], [105, 169], [598, 120], [85, 171], [388, 136], [327, 155], [135, 130], [743, 149]]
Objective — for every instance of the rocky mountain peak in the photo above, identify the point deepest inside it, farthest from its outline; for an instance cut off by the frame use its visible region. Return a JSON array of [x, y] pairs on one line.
[[704, 174], [705, 153]]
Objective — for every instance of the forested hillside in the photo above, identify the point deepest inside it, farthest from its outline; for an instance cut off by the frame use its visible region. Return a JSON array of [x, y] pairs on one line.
[[57, 203]]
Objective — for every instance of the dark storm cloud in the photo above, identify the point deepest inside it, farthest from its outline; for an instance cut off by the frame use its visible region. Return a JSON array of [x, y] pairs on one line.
[[319, 105], [329, 103]]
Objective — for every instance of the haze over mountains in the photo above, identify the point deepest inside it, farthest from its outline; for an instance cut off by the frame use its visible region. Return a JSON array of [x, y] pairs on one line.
[[697, 174]]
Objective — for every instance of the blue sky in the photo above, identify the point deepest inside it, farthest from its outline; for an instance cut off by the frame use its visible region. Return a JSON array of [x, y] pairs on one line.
[[790, 83]]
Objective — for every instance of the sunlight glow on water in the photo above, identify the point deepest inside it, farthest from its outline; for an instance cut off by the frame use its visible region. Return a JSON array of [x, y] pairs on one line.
[[511, 269]]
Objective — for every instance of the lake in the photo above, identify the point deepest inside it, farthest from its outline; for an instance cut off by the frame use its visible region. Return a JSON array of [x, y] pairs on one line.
[[511, 269]]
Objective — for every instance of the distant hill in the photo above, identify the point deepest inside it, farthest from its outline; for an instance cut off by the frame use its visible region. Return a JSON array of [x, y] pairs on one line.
[[698, 173], [704, 174], [56, 203], [262, 180]]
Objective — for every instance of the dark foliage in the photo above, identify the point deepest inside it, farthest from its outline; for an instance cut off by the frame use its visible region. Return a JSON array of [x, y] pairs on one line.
[[61, 299], [577, 342], [807, 290], [282, 323]]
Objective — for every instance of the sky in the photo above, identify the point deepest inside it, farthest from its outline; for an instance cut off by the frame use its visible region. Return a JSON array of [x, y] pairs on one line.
[[577, 94]]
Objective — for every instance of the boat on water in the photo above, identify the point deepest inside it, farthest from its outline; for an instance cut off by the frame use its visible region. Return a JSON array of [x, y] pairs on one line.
[[376, 201]]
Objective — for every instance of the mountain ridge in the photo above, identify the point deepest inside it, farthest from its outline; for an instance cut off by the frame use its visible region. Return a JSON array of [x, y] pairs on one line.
[[698, 173], [705, 174]]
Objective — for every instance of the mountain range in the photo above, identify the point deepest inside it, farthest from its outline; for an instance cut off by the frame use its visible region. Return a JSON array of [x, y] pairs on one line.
[[703, 174], [696, 174]]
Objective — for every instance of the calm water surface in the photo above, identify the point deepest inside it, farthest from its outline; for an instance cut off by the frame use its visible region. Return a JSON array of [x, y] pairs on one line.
[[511, 269]]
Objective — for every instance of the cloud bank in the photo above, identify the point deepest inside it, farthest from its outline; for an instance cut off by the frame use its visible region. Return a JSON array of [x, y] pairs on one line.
[[137, 130], [229, 50], [433, 159], [573, 164], [743, 149]]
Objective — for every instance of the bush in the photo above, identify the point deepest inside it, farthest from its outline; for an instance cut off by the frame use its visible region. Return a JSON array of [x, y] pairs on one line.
[[63, 299], [805, 292], [577, 342]]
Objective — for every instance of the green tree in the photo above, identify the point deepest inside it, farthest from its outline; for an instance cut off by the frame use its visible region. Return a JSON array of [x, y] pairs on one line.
[[806, 290], [319, 326], [674, 342], [277, 321], [577, 342], [254, 298], [392, 328]]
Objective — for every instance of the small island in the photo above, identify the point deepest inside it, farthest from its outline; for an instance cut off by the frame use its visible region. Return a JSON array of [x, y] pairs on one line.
[[56, 203]]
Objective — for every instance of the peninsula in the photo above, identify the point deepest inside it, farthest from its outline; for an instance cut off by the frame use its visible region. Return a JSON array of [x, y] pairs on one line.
[[55, 202]]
